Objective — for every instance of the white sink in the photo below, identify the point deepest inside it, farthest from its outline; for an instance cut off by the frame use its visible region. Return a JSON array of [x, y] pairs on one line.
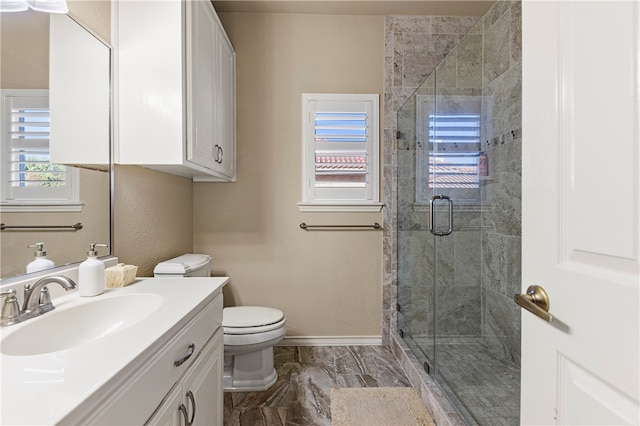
[[82, 323], [74, 357]]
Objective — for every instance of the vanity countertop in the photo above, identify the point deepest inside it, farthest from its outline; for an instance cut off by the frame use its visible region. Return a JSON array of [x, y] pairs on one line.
[[45, 388]]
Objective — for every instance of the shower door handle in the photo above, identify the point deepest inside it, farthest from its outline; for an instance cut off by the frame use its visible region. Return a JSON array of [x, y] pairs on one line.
[[432, 215], [536, 301]]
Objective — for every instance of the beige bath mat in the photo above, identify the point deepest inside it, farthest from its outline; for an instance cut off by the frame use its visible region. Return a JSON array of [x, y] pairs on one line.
[[378, 407]]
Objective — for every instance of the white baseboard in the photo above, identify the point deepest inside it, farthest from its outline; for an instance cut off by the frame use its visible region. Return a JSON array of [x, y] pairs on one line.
[[331, 341]]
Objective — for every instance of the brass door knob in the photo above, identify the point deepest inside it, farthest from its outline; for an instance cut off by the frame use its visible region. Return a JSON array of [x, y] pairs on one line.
[[536, 301]]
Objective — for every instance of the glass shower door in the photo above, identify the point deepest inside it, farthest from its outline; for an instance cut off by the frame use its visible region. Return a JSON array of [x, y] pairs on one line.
[[416, 245], [454, 177]]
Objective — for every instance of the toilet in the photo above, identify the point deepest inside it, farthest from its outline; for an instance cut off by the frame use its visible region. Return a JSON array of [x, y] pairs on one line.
[[250, 332]]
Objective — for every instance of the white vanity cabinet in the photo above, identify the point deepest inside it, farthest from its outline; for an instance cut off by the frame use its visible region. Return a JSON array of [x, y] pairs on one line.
[[195, 400], [121, 358], [182, 380], [175, 85]]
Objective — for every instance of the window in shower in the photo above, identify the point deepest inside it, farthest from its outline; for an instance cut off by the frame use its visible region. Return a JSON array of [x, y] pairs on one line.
[[448, 147]]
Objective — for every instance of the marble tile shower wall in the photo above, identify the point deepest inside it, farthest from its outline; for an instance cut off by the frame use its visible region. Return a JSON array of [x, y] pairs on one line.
[[482, 260], [501, 193]]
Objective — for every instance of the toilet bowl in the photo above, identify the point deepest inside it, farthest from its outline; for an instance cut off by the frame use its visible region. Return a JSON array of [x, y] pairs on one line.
[[250, 332]]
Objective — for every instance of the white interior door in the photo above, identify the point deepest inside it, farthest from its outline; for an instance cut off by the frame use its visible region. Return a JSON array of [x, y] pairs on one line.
[[581, 231]]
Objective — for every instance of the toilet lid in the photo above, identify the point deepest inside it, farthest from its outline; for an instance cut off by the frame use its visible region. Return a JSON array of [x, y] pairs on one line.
[[250, 316], [182, 265]]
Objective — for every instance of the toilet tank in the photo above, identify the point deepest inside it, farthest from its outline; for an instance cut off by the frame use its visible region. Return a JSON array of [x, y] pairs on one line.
[[187, 265]]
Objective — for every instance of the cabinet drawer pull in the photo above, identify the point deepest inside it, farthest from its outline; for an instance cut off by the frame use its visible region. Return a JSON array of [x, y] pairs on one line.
[[183, 410], [182, 360], [193, 404]]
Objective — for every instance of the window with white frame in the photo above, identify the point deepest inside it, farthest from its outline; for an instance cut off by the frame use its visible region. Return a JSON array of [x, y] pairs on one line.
[[29, 180], [340, 146]]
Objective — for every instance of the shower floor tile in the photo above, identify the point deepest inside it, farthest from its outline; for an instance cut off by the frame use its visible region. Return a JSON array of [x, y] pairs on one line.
[[484, 387], [306, 375]]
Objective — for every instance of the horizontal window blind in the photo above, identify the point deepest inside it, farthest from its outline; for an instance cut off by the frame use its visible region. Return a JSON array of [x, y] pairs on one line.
[[454, 142], [29, 152], [340, 154], [29, 177], [454, 128], [453, 170], [341, 126]]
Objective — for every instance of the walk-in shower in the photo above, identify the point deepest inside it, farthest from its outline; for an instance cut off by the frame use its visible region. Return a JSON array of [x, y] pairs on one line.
[[458, 216]]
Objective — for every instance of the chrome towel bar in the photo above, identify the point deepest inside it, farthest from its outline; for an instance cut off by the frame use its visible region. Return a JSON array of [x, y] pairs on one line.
[[306, 227], [75, 227]]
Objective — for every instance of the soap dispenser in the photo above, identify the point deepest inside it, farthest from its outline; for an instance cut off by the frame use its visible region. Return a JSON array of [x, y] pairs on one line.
[[40, 262], [91, 273]]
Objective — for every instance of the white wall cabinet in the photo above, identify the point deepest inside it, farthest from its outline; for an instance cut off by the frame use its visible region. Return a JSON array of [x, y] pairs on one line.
[[175, 82], [79, 95]]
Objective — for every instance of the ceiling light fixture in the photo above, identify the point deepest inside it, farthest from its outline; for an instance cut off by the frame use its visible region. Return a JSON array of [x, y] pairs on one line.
[[48, 6]]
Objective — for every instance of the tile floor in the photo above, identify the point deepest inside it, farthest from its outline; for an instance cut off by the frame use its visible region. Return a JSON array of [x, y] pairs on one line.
[[306, 375]]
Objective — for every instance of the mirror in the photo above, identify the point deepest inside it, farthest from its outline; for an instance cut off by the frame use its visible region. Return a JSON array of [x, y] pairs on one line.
[[57, 59]]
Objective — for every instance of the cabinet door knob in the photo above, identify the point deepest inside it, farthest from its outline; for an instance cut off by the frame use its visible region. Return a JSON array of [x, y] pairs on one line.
[[182, 360]]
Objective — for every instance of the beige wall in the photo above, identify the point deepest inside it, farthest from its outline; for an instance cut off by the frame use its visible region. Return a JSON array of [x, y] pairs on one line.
[[24, 61], [328, 283], [153, 217], [93, 14]]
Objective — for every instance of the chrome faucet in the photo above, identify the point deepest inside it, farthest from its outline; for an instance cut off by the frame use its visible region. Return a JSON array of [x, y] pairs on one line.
[[33, 305]]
